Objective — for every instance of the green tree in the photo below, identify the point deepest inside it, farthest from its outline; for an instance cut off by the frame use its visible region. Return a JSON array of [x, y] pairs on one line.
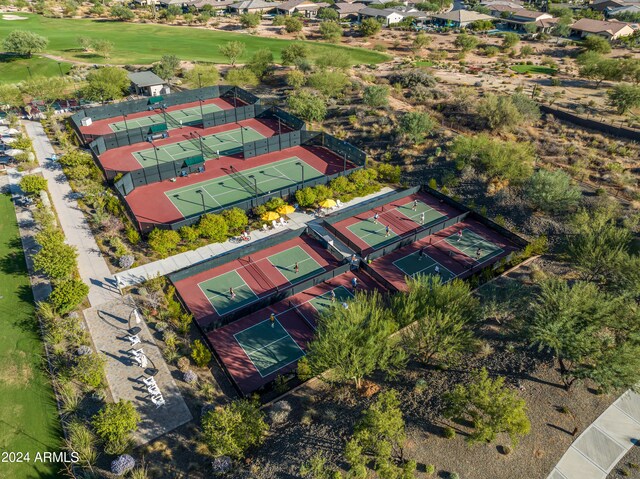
[[294, 53], [416, 126], [296, 79], [214, 227], [163, 242], [465, 42], [354, 342], [122, 13], [67, 295], [490, 406], [261, 63], [292, 24], [89, 370], [510, 40], [243, 77], [236, 219], [306, 197], [202, 75], [107, 83], [331, 31], [376, 96], [308, 106], [561, 30], [330, 83], [232, 429], [624, 97], [10, 97], [33, 184], [167, 66], [420, 41], [102, 48], [443, 315], [23, 42], [599, 69], [594, 43], [232, 51], [56, 258], [250, 20], [328, 14], [200, 353], [47, 89], [531, 28], [115, 423], [316, 467], [552, 191], [505, 160], [369, 27], [507, 112]]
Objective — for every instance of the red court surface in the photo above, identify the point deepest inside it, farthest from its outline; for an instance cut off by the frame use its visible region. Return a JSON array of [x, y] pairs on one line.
[[122, 159], [234, 357], [150, 205], [397, 221], [447, 255], [202, 309], [101, 127]]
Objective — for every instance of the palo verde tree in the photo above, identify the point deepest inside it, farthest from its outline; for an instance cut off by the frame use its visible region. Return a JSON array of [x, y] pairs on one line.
[[232, 51], [415, 126], [23, 42], [490, 406], [442, 314], [552, 191], [354, 342]]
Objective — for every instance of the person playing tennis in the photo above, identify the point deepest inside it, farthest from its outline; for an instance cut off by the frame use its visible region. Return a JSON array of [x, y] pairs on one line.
[[272, 318], [232, 293]]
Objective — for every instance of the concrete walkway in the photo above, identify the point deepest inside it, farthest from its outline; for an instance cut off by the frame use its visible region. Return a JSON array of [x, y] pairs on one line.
[[604, 443], [91, 264], [165, 266]]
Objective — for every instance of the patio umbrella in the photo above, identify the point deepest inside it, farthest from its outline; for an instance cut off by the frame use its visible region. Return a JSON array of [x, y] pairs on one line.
[[270, 216], [286, 209], [328, 203]]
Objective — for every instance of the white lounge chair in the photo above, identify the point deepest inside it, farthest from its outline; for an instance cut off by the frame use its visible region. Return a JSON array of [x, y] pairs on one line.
[[137, 352], [274, 224], [283, 222], [339, 204], [158, 401], [265, 227], [154, 391], [150, 381], [135, 339]]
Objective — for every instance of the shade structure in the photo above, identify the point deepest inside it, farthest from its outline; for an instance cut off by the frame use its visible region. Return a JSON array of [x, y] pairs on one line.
[[270, 216], [328, 203], [286, 209]]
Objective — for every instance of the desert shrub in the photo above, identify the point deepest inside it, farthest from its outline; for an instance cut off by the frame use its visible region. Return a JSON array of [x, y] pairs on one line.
[[413, 78], [114, 424], [389, 173], [236, 220], [189, 234], [163, 242], [213, 227], [68, 294], [33, 184], [306, 197], [200, 353], [552, 191]]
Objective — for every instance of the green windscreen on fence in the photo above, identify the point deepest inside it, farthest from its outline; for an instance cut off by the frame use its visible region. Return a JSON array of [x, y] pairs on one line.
[[155, 99], [158, 128], [193, 160]]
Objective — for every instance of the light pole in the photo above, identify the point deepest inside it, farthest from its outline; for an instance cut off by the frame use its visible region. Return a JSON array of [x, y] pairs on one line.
[[302, 168], [255, 184], [201, 111], [60, 68], [155, 153], [124, 116], [199, 80], [201, 193], [30, 74]]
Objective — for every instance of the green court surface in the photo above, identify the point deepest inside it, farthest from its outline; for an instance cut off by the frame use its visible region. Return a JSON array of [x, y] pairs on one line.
[[269, 346], [226, 143], [431, 216], [186, 116], [469, 244], [286, 260], [323, 302], [217, 292], [374, 234], [225, 191], [413, 265]]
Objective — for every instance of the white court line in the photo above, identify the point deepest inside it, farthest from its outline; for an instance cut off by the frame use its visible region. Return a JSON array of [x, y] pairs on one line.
[[255, 297], [325, 294], [423, 269]]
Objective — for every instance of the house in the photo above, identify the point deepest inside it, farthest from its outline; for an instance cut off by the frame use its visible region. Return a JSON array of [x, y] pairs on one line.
[[602, 5], [611, 30], [252, 6], [215, 4], [518, 19], [545, 25], [347, 10], [459, 18], [630, 8], [148, 84], [306, 7], [385, 16]]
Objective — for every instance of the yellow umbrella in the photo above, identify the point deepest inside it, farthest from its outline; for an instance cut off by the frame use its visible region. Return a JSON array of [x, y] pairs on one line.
[[270, 216], [286, 209], [328, 203]]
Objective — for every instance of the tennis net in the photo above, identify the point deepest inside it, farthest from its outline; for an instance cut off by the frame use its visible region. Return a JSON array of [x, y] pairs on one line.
[[457, 256], [304, 318], [260, 274], [245, 183]]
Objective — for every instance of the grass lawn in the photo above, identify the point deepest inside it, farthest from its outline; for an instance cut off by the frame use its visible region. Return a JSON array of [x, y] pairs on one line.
[[28, 415], [14, 69], [537, 69], [424, 63], [144, 44]]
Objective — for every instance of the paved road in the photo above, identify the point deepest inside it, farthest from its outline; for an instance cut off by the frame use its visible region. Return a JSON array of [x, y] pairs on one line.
[[91, 264]]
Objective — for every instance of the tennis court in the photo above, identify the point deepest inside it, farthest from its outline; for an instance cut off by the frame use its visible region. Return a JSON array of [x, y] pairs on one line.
[[415, 264], [400, 218], [269, 346], [239, 186], [210, 146], [471, 243], [175, 117], [218, 292], [286, 263]]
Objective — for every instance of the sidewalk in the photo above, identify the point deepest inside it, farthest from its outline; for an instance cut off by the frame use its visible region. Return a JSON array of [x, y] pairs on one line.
[[165, 266], [604, 443], [91, 265]]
